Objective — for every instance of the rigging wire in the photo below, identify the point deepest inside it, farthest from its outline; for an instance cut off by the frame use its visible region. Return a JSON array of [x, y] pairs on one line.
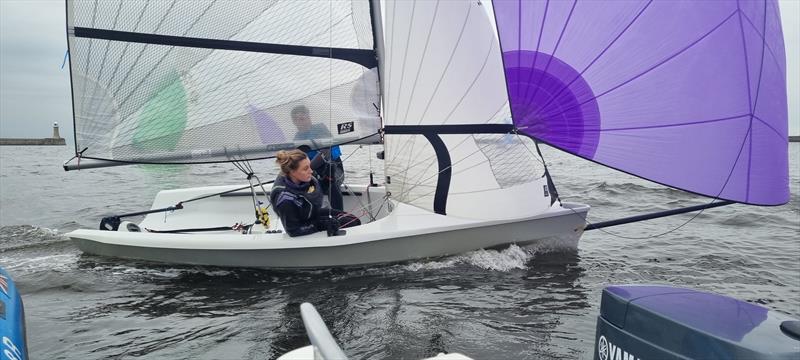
[[540, 158], [261, 213], [365, 210], [340, 179], [550, 182]]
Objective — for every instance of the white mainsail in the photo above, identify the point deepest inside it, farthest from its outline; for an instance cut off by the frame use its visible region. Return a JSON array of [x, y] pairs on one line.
[[443, 66], [189, 81]]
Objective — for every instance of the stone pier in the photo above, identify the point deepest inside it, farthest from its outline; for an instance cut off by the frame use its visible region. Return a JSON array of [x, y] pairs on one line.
[[55, 140]]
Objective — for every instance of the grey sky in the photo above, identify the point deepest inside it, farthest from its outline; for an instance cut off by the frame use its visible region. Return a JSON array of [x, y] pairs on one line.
[[35, 92]]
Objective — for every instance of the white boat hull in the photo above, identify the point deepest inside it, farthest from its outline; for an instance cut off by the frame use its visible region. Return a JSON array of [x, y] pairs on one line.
[[406, 233]]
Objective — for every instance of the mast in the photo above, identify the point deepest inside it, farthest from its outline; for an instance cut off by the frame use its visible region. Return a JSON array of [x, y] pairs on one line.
[[68, 25], [377, 40]]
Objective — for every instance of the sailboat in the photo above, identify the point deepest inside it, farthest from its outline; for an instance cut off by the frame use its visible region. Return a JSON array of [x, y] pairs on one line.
[[691, 96]]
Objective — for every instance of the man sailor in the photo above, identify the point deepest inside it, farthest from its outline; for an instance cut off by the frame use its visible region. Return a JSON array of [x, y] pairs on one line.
[[326, 162]]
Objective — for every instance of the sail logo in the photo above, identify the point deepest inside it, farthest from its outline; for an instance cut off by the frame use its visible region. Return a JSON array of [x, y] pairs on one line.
[[345, 128], [608, 351]]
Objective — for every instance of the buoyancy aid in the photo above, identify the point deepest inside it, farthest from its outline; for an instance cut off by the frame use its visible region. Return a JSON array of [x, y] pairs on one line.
[[297, 204]]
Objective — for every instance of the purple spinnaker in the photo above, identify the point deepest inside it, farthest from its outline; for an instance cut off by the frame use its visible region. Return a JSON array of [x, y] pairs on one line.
[[689, 94], [268, 129]]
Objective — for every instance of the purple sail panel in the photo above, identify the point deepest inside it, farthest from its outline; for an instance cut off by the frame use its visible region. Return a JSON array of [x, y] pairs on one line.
[[689, 94], [576, 123], [268, 129]]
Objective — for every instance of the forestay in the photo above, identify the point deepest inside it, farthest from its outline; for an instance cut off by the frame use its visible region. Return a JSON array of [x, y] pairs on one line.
[[207, 80], [443, 68], [690, 94]]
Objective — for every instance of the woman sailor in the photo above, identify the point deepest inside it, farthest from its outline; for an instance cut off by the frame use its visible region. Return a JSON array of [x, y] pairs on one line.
[[297, 198]]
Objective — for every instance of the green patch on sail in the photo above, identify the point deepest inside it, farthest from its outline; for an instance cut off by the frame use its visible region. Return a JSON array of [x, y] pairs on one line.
[[163, 118]]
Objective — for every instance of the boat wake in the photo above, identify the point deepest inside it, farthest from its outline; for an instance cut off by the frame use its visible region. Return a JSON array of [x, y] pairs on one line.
[[512, 258], [57, 262], [16, 237]]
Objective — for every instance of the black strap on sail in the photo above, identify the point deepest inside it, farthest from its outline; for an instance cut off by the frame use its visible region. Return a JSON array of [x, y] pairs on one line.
[[432, 132]]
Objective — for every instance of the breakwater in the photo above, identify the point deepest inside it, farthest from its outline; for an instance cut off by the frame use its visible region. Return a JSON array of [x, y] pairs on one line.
[[23, 141], [56, 139]]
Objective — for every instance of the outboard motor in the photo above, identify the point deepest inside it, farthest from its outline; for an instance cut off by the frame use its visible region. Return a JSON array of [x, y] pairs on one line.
[[639, 322]]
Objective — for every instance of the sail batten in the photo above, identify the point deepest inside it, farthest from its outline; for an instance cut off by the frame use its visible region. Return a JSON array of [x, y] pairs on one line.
[[363, 57], [687, 94]]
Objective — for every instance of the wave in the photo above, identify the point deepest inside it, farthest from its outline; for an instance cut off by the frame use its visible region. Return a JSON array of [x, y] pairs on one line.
[[512, 258], [753, 219], [38, 264], [16, 237], [215, 173]]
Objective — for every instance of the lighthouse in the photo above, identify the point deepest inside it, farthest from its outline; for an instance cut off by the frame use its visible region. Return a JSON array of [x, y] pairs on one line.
[[55, 131]]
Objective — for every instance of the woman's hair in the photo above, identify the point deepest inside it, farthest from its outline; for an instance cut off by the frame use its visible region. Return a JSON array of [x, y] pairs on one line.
[[289, 160]]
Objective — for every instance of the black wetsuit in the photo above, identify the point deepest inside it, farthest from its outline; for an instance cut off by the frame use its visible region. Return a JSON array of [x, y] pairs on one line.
[[300, 208]]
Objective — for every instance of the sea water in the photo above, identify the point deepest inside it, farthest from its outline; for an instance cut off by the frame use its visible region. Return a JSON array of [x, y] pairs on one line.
[[488, 304]]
